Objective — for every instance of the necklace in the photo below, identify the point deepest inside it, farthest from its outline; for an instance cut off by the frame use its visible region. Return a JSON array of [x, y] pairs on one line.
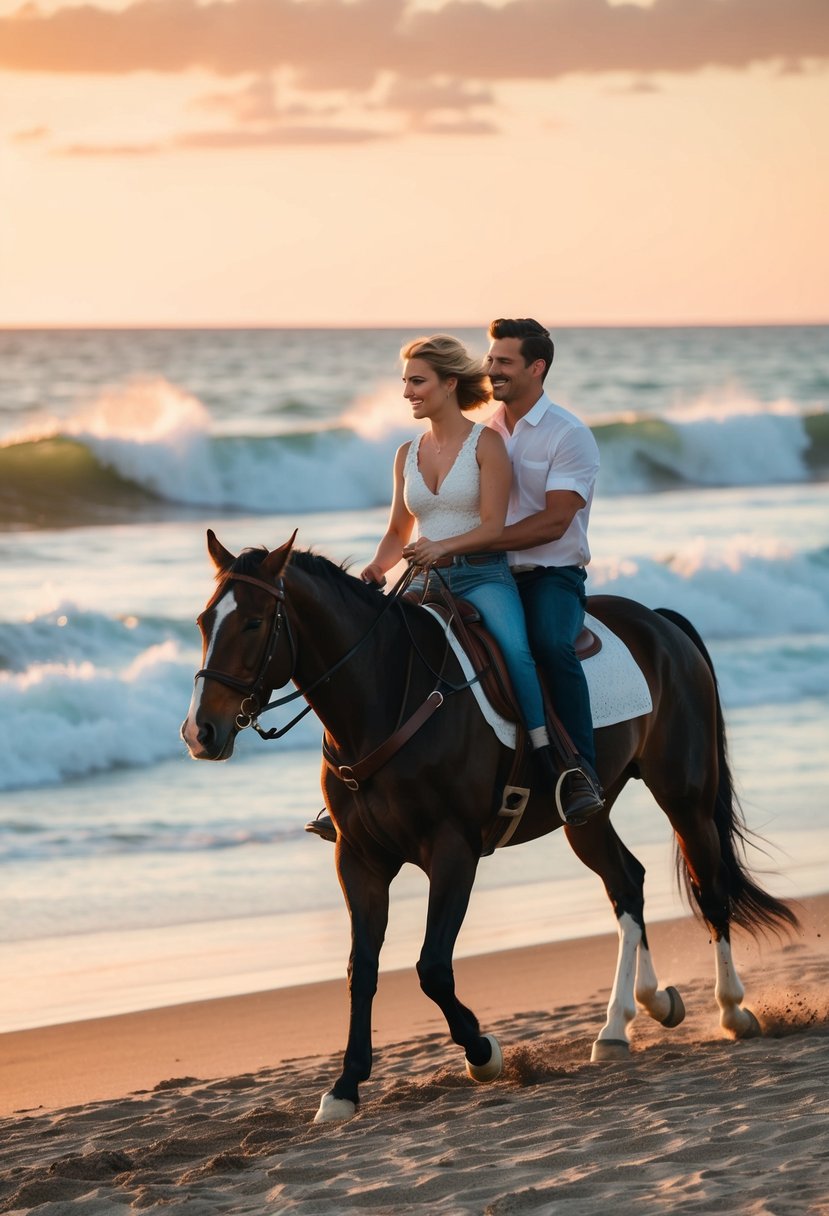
[[439, 447]]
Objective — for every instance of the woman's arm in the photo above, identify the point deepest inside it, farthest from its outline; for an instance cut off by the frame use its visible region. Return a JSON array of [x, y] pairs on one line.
[[401, 521], [496, 480]]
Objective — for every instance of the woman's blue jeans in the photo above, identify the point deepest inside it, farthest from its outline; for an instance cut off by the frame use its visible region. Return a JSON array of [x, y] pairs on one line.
[[554, 599], [486, 581]]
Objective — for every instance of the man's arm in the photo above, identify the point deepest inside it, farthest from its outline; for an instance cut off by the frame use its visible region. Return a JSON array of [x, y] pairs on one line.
[[549, 524]]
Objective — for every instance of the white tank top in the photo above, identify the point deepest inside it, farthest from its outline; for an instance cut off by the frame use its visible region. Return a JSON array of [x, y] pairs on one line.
[[456, 507]]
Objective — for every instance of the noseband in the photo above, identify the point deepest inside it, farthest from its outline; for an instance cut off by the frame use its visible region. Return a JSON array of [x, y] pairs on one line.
[[250, 706]]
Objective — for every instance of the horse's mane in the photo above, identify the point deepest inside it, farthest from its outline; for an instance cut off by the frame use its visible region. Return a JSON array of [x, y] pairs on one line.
[[319, 567]]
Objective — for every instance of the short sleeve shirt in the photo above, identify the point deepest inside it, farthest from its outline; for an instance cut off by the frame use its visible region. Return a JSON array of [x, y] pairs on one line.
[[550, 449]]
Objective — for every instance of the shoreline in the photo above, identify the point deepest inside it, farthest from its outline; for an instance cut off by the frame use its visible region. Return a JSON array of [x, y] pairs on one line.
[[101, 1059]]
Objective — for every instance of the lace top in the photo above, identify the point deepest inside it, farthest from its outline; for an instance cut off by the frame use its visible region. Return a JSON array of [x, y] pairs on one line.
[[456, 507]]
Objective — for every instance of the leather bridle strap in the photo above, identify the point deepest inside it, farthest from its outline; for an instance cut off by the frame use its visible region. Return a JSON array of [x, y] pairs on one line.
[[278, 592], [353, 774]]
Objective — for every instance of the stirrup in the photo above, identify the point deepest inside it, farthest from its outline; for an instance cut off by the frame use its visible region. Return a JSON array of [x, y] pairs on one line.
[[323, 826], [594, 786]]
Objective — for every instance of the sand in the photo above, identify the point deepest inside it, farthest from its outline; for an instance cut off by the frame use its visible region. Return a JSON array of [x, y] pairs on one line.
[[208, 1108]]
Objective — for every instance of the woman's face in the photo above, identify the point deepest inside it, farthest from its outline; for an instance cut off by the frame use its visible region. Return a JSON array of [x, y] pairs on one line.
[[423, 388]]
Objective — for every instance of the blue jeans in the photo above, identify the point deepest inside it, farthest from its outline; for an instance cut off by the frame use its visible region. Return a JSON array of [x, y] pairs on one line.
[[554, 599], [487, 583]]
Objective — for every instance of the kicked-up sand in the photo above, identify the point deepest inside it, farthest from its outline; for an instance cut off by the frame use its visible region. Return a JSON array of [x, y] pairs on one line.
[[208, 1108]]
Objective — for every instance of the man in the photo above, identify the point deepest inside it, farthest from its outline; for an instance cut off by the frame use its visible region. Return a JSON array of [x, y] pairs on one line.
[[555, 460]]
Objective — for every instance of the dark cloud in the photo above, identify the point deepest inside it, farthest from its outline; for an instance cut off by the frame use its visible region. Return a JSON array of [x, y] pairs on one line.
[[348, 43]]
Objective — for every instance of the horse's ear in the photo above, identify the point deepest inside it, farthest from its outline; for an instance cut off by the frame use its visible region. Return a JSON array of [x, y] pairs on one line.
[[276, 561], [222, 557]]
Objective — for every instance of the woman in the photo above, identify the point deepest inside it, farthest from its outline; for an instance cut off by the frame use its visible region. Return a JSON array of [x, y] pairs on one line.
[[453, 481]]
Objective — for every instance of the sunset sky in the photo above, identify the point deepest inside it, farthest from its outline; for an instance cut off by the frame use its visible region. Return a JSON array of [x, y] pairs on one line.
[[355, 162]]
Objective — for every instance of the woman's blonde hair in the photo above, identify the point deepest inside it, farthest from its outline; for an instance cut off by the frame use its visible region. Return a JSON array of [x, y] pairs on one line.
[[448, 357]]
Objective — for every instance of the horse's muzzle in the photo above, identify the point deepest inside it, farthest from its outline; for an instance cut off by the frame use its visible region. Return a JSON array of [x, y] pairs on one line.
[[205, 742]]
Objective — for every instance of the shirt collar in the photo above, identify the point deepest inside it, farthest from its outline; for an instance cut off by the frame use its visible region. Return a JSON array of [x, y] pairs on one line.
[[534, 416]]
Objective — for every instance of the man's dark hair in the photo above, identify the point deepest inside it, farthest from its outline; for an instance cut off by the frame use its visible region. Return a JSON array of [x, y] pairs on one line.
[[536, 342]]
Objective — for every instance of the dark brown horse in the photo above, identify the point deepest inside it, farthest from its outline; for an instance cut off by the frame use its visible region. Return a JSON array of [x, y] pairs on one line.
[[367, 663]]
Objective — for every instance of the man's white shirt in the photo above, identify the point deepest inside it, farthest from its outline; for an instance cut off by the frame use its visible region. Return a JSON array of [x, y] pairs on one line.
[[550, 449]]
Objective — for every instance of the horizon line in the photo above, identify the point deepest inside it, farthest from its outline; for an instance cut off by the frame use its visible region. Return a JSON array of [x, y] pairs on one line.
[[24, 326]]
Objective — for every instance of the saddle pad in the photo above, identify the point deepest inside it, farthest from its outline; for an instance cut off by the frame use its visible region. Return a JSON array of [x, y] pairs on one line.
[[618, 690]]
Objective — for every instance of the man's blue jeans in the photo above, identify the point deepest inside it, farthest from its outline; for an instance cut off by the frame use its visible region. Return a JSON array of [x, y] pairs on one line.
[[486, 582], [554, 599]]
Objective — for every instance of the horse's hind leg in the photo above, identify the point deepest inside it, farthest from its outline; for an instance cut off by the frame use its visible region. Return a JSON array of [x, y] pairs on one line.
[[635, 984], [451, 875], [701, 848], [699, 843]]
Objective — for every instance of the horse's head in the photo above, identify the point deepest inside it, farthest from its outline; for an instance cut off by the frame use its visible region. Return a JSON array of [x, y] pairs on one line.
[[246, 647]]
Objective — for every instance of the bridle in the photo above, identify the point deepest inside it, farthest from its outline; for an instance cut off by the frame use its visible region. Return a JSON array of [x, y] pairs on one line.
[[250, 707]]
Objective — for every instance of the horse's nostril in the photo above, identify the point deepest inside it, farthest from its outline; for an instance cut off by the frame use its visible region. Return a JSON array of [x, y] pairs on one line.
[[206, 733]]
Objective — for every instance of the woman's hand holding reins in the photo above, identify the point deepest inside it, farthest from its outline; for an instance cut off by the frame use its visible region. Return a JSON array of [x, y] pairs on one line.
[[374, 573], [425, 552]]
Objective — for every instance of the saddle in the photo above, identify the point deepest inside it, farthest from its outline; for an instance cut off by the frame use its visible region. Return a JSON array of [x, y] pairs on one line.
[[487, 661], [490, 670]]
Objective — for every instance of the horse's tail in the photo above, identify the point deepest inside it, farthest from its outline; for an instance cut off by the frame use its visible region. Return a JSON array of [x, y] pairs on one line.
[[750, 906]]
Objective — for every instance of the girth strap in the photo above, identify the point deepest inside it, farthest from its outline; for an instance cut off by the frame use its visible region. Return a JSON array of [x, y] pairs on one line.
[[353, 774]]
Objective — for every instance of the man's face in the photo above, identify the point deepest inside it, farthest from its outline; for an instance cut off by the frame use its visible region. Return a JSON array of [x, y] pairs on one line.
[[512, 380]]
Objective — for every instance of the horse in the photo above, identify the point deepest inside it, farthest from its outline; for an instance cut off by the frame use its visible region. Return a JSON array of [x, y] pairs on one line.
[[372, 666]]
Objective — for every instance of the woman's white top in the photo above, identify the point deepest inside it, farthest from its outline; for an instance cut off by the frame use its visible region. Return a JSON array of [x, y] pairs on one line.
[[456, 507]]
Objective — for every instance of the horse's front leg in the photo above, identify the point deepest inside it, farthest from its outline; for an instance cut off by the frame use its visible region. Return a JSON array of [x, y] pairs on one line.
[[366, 891], [451, 875]]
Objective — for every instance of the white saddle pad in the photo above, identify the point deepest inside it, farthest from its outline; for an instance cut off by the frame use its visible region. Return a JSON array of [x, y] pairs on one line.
[[618, 690]]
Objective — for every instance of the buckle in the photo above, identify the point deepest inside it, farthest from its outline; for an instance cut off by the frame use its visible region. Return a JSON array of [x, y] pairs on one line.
[[348, 778]]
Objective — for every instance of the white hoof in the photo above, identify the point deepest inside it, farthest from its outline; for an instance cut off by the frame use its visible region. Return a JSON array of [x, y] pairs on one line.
[[606, 1050], [676, 1013], [334, 1109], [492, 1069], [744, 1026]]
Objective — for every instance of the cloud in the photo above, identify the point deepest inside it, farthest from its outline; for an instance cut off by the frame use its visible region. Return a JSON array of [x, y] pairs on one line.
[[273, 137], [348, 43], [84, 150], [258, 102], [31, 135], [458, 126], [229, 140], [423, 96]]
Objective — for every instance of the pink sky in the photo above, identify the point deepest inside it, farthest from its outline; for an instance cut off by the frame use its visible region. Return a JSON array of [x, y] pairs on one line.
[[391, 161]]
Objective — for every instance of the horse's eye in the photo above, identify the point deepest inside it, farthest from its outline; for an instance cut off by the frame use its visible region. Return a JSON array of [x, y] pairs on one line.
[[254, 623]]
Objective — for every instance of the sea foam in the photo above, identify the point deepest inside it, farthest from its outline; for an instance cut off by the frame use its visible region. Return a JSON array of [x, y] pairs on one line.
[[150, 438]]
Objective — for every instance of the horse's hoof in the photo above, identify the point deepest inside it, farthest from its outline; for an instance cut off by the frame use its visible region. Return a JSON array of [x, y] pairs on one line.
[[606, 1050], [676, 1013], [749, 1027], [335, 1109], [492, 1069]]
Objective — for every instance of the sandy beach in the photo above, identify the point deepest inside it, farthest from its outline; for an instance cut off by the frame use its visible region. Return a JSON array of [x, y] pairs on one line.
[[208, 1107]]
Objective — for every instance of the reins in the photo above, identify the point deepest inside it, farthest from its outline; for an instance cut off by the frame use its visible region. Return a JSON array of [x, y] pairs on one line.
[[277, 733], [250, 712]]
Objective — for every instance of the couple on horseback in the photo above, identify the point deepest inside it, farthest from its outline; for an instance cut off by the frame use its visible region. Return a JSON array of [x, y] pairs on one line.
[[502, 512]]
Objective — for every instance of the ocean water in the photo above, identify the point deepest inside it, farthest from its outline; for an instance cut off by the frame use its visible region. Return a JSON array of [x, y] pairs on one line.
[[131, 876]]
